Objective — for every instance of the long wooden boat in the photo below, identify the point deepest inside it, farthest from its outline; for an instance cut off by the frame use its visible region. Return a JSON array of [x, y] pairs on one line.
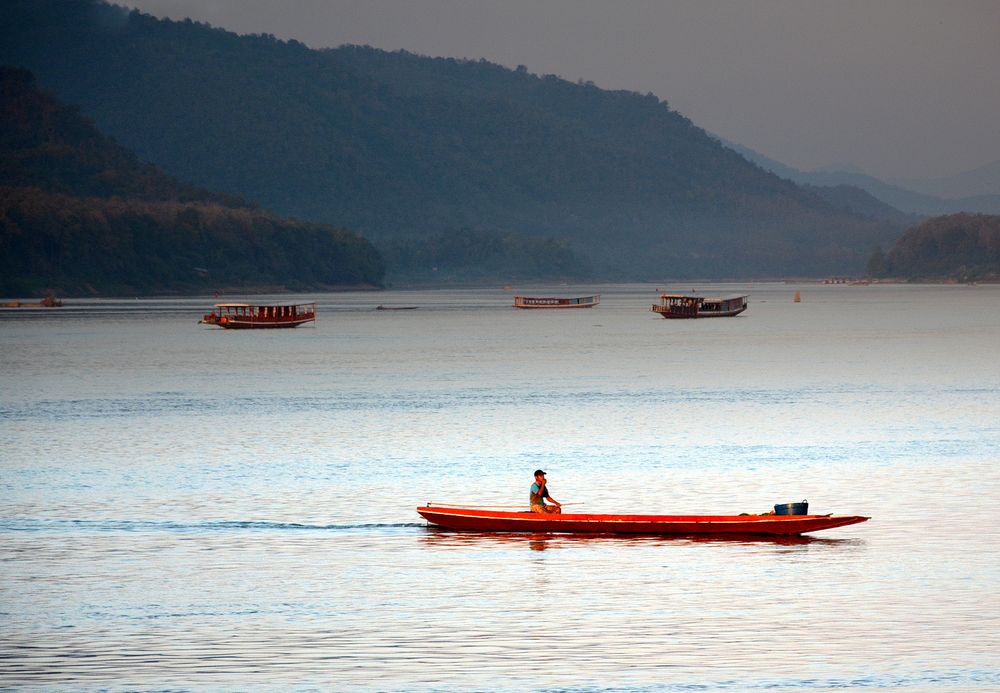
[[246, 316], [576, 302], [490, 520], [686, 306]]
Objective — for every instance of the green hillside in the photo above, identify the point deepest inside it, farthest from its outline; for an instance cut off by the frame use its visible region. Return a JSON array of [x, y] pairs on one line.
[[957, 247], [469, 255], [80, 214], [399, 146]]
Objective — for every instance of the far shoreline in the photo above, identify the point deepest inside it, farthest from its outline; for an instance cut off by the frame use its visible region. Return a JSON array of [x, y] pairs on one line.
[[32, 301]]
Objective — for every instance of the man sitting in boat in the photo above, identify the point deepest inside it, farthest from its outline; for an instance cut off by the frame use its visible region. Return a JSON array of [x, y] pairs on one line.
[[538, 495]]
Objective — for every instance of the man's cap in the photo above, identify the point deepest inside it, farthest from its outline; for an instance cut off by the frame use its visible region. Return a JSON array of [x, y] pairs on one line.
[[539, 471]]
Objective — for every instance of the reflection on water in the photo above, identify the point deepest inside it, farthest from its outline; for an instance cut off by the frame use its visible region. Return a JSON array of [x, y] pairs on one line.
[[442, 538], [194, 509]]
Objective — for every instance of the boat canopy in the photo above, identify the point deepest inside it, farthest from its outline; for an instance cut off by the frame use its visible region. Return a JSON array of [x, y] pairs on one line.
[[261, 305], [713, 298]]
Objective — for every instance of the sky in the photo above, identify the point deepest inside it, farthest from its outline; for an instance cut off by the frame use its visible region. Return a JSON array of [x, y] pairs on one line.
[[894, 88]]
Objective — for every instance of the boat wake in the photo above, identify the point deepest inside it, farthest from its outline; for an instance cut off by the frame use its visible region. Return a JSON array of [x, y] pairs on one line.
[[61, 525]]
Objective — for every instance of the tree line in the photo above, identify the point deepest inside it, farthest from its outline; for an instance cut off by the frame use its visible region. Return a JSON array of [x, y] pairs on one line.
[[955, 247], [79, 214]]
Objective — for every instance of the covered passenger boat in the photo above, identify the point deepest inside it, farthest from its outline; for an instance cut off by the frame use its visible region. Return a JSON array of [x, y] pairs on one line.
[[577, 302], [685, 306], [246, 316], [492, 520]]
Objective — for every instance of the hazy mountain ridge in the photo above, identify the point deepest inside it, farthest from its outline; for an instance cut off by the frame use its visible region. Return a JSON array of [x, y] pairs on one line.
[[80, 214], [395, 145], [903, 199], [895, 194], [982, 182], [859, 201]]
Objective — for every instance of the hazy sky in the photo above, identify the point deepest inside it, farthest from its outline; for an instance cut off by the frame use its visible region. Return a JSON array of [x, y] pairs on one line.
[[898, 88]]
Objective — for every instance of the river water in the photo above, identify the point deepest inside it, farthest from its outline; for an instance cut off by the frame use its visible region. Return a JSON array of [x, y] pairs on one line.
[[191, 508]]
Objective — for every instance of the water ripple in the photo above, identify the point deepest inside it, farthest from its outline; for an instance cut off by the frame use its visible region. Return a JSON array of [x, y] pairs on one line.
[[201, 510], [978, 678], [42, 525], [180, 404]]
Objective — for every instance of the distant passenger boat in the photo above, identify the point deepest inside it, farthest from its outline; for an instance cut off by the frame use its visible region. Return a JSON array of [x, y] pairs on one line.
[[244, 316], [683, 306], [49, 301], [578, 302]]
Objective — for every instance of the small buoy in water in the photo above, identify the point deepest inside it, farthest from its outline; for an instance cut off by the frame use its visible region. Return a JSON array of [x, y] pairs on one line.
[[798, 297]]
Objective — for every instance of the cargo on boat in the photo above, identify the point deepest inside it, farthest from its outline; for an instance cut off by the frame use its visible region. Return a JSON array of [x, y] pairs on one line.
[[576, 302], [491, 520], [685, 306], [246, 316]]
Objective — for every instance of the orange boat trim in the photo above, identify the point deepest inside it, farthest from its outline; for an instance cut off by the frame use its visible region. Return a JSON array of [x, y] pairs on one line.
[[499, 521]]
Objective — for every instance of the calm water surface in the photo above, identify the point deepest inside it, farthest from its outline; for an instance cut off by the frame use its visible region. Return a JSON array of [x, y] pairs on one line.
[[190, 508]]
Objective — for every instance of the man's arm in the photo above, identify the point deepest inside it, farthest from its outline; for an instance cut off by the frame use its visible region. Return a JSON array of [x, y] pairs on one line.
[[545, 494]]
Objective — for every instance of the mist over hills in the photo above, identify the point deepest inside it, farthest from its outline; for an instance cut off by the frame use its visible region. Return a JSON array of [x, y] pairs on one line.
[[79, 214], [981, 182], [970, 192], [904, 199], [401, 147]]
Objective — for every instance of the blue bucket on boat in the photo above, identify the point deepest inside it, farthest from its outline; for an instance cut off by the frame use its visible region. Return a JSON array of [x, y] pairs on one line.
[[792, 508]]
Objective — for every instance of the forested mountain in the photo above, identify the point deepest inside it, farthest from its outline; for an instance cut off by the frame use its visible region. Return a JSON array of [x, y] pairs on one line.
[[856, 200], [398, 146], [958, 247], [80, 214], [51, 146], [469, 255]]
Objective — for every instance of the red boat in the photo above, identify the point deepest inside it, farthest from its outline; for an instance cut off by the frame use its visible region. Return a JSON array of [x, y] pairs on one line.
[[244, 316], [489, 520]]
